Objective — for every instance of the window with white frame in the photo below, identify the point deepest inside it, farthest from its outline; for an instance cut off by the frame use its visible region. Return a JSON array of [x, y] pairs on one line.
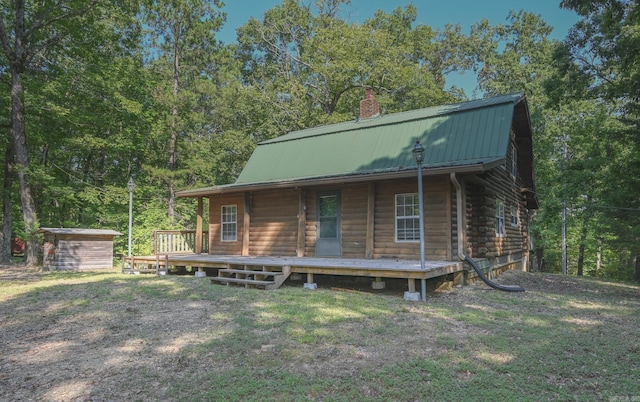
[[500, 218], [514, 216], [229, 220], [407, 217]]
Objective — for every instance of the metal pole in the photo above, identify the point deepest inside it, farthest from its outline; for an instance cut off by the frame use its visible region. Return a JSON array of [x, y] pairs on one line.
[[421, 205], [130, 187], [564, 208], [564, 237], [130, 219]]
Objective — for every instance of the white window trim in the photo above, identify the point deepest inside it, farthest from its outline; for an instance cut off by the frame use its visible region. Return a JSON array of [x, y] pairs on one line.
[[515, 220], [500, 228], [407, 217], [223, 223]]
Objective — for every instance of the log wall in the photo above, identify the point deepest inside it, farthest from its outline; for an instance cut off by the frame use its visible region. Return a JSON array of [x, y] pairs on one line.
[[274, 219], [354, 220], [310, 225], [274, 222], [216, 245], [437, 215], [481, 195]]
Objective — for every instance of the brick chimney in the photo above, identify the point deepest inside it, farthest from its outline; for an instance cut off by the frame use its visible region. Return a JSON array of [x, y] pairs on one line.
[[369, 106]]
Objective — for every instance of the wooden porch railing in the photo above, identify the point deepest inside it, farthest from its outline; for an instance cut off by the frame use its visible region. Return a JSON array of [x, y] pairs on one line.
[[178, 242]]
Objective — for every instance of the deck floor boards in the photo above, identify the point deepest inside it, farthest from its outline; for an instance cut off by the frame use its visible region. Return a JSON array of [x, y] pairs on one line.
[[389, 268]]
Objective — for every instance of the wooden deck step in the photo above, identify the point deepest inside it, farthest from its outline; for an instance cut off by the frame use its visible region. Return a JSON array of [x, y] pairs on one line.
[[249, 272], [241, 281]]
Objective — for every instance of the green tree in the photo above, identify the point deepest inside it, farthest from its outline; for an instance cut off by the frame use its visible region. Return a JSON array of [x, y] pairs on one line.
[[310, 65], [33, 37], [602, 47], [182, 46]]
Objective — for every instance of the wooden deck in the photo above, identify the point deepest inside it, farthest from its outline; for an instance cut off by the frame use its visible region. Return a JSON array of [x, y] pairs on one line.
[[377, 268]]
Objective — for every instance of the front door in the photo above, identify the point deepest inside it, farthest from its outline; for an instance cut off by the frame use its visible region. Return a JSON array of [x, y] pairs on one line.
[[328, 232]]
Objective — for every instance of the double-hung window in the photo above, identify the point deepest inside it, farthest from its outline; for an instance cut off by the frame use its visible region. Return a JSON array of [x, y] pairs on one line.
[[500, 231], [514, 216], [407, 217], [229, 220]]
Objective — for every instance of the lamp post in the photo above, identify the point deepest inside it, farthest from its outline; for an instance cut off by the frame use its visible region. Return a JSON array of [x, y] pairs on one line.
[[130, 186], [418, 155]]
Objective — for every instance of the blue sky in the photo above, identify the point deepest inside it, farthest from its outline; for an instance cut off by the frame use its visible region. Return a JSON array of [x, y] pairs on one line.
[[436, 13]]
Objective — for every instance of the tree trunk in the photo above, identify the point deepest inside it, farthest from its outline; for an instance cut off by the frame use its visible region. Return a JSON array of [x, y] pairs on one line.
[[173, 143], [637, 276], [29, 214], [581, 252], [539, 257], [599, 260], [583, 238], [7, 184]]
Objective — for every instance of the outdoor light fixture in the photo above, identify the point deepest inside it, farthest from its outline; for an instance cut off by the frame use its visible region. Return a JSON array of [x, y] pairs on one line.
[[418, 154], [130, 186]]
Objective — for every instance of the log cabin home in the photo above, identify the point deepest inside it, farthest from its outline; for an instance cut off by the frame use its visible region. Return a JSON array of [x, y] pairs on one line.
[[343, 198]]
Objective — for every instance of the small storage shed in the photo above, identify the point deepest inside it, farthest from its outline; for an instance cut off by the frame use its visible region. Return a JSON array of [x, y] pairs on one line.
[[78, 249]]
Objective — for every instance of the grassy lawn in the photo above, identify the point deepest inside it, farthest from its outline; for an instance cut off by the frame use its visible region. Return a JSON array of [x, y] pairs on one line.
[[107, 336]]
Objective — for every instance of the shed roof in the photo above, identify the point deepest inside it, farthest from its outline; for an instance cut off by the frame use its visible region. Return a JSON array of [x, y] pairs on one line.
[[79, 231], [468, 136]]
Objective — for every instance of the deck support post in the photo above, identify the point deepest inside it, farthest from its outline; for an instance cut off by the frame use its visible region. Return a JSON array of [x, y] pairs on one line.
[[246, 225], [310, 284], [302, 224], [371, 203], [378, 284], [198, 245], [458, 278], [411, 294], [200, 273]]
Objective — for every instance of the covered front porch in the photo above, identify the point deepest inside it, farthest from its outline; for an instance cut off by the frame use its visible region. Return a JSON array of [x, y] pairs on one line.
[[270, 272]]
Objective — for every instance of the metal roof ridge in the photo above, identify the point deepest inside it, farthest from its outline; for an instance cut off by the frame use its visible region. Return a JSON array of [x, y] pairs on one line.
[[453, 108]]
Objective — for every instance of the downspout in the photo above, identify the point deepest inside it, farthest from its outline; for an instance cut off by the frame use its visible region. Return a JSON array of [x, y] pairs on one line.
[[460, 214], [460, 225]]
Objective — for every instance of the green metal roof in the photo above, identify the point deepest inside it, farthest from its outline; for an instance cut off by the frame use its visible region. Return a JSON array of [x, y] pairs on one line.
[[468, 133], [468, 136]]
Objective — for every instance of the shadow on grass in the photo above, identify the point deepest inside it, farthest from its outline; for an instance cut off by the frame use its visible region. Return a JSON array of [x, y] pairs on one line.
[[91, 335]]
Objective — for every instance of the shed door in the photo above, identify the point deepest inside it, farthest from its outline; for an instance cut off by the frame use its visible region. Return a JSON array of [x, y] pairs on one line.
[[328, 231]]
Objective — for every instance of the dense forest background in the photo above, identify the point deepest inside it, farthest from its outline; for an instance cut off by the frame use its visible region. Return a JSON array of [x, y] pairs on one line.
[[100, 91]]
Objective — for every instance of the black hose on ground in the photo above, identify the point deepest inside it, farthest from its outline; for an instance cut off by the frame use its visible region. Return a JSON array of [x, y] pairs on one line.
[[489, 281]]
